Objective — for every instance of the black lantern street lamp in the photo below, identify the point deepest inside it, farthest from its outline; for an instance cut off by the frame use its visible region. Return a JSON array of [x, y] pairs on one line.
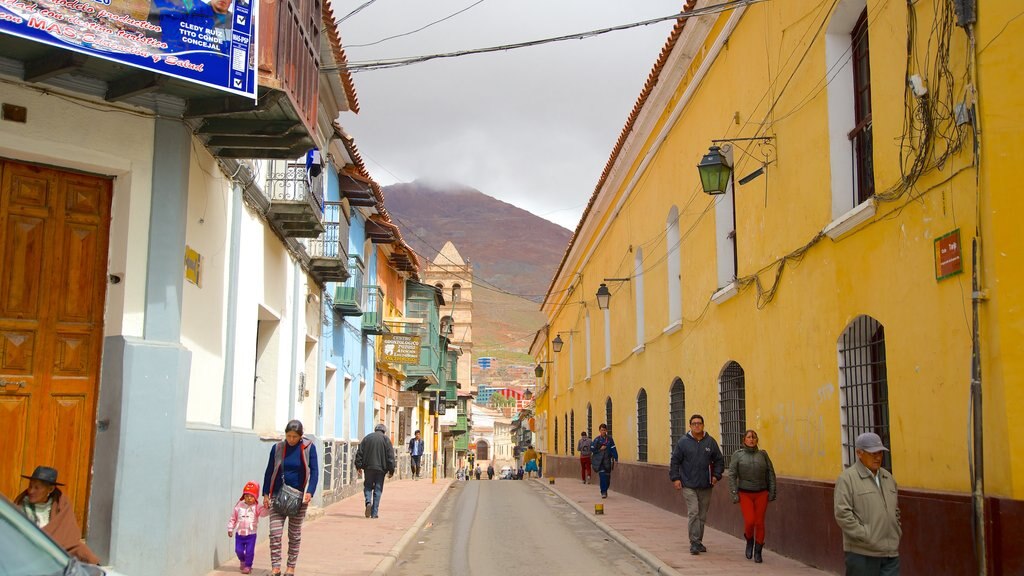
[[556, 344], [603, 296], [715, 172], [539, 371]]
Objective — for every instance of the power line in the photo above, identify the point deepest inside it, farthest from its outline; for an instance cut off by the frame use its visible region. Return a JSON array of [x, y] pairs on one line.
[[420, 29], [406, 61], [354, 12]]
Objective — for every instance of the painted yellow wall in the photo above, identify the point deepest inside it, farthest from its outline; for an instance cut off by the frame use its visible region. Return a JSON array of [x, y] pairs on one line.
[[885, 268]]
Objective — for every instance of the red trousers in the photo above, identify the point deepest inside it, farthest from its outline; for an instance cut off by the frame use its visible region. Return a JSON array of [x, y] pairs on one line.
[[754, 505], [584, 467]]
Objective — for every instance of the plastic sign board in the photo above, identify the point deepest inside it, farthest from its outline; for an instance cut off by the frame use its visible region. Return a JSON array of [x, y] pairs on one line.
[[399, 348], [193, 266], [209, 42], [483, 363], [948, 255]]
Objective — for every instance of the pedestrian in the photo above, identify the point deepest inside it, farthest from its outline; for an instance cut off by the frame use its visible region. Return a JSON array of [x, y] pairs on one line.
[[242, 524], [293, 466], [603, 458], [415, 454], [490, 471], [752, 484], [583, 447], [477, 472], [530, 461], [520, 473], [374, 458], [867, 512], [696, 466], [51, 510]]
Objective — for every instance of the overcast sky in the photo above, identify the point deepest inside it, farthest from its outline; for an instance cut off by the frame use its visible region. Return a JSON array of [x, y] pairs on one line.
[[533, 127]]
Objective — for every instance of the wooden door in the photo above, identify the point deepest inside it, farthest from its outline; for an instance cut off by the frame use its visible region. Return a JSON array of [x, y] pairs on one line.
[[54, 230]]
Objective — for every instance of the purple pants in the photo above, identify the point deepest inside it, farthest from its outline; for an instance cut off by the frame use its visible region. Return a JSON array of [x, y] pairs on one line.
[[245, 548]]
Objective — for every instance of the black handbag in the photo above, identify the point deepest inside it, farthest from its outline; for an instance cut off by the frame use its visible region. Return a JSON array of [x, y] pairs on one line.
[[287, 501]]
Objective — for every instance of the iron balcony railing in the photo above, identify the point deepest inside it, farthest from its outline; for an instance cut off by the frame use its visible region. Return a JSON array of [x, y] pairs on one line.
[[290, 182]]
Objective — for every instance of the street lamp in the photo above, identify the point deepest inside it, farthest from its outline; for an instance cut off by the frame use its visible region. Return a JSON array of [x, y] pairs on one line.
[[715, 171], [603, 296], [556, 344], [539, 370]]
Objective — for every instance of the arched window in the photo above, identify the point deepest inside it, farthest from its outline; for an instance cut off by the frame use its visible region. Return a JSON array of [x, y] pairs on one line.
[[676, 412], [590, 421], [641, 426], [863, 386], [608, 414], [638, 283], [675, 300], [572, 432], [439, 286], [447, 324], [733, 404], [556, 434], [456, 293], [482, 452]]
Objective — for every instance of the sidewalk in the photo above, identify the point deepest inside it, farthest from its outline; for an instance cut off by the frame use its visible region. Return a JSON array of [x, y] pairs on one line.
[[659, 536], [341, 541]]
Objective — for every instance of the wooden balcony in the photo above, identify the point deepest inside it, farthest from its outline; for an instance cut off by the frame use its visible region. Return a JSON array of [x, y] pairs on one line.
[[348, 299], [296, 201], [373, 313], [328, 254]]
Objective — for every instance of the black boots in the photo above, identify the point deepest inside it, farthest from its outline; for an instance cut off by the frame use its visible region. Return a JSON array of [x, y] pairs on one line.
[[750, 548], [757, 553]]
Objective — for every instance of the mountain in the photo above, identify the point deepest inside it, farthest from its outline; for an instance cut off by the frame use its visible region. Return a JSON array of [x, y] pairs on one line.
[[513, 252], [509, 247]]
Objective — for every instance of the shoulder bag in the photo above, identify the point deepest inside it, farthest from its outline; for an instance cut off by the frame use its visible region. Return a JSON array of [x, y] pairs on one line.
[[288, 500]]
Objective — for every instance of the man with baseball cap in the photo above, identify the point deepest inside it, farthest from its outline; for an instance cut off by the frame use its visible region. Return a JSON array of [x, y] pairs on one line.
[[866, 511]]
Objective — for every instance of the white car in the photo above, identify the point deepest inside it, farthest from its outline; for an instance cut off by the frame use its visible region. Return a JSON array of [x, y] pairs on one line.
[[506, 473], [25, 550]]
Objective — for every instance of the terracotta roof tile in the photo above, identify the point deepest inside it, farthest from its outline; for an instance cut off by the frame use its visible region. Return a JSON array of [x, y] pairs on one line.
[[339, 56]]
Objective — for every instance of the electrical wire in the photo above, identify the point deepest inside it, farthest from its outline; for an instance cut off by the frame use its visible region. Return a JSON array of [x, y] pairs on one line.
[[353, 13], [420, 29]]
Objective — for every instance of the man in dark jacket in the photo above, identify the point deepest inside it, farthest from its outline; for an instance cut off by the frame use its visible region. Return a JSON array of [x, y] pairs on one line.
[[696, 466], [374, 458]]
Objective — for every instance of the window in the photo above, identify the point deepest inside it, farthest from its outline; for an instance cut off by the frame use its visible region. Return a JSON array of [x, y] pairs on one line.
[[725, 232], [607, 338], [675, 301], [863, 386], [732, 401], [586, 341], [456, 293], [590, 421], [568, 438], [556, 434], [641, 426], [860, 136], [676, 412], [608, 414], [638, 279], [572, 432]]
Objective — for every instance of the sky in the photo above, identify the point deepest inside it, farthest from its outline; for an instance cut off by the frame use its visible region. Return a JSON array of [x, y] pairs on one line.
[[533, 127]]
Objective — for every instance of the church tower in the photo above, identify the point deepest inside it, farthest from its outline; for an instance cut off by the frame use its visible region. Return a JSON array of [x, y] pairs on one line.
[[454, 276]]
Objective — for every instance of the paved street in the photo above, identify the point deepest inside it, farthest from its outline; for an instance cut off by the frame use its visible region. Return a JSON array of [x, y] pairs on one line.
[[494, 527]]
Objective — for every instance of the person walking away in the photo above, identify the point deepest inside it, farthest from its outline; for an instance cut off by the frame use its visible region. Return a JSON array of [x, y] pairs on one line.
[[416, 454], [530, 461], [242, 524], [752, 485], [583, 447], [477, 472], [867, 512], [293, 463], [603, 458], [696, 466], [375, 457], [51, 510], [490, 471]]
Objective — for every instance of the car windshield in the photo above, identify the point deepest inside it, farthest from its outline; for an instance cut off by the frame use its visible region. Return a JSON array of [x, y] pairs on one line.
[[25, 550]]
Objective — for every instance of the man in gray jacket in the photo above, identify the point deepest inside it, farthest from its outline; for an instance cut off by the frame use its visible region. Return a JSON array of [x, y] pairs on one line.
[[374, 458], [696, 466], [866, 511]]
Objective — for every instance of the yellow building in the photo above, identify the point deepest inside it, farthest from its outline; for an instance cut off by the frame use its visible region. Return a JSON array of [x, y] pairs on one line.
[[826, 289]]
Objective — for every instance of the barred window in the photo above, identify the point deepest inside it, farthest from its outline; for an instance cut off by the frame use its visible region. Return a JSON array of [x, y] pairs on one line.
[[676, 412], [556, 434], [568, 440], [608, 414], [863, 386], [641, 426], [572, 432], [328, 459], [590, 421], [732, 401]]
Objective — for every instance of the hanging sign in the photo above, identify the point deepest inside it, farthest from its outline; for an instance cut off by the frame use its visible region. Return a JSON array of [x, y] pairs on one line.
[[948, 255], [210, 42], [400, 349]]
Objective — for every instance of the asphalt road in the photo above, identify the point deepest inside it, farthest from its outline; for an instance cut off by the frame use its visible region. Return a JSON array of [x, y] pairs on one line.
[[507, 527]]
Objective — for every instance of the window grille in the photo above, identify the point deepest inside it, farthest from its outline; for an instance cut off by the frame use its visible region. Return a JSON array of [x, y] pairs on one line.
[[863, 386], [328, 466], [641, 426], [572, 432], [676, 412], [590, 421], [608, 414], [860, 136], [556, 434], [568, 440], [732, 401]]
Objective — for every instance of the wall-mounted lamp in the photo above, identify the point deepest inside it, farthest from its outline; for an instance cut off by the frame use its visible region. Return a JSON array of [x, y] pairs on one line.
[[604, 295], [715, 168], [539, 370], [557, 343]]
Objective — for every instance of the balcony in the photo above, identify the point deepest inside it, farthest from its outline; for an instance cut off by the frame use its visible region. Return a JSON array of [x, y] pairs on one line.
[[373, 314], [348, 299], [325, 253], [296, 202]]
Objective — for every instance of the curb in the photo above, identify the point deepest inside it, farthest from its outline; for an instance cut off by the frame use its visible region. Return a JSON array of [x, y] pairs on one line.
[[389, 560], [651, 560]]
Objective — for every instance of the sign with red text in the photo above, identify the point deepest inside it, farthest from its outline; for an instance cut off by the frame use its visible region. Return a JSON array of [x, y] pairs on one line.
[[210, 42], [948, 255]]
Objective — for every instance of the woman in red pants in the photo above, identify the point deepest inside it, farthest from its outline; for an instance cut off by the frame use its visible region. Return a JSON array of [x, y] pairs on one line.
[[752, 484]]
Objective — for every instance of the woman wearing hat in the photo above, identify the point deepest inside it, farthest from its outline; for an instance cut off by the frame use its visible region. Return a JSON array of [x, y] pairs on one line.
[[45, 505]]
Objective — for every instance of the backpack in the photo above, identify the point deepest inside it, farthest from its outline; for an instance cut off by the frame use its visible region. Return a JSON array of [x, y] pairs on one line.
[[584, 447]]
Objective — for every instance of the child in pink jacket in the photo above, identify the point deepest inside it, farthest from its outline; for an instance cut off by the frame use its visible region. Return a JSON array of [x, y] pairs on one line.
[[242, 525]]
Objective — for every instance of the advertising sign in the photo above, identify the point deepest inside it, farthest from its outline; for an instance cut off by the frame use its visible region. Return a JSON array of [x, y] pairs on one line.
[[948, 258], [210, 42], [400, 348]]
